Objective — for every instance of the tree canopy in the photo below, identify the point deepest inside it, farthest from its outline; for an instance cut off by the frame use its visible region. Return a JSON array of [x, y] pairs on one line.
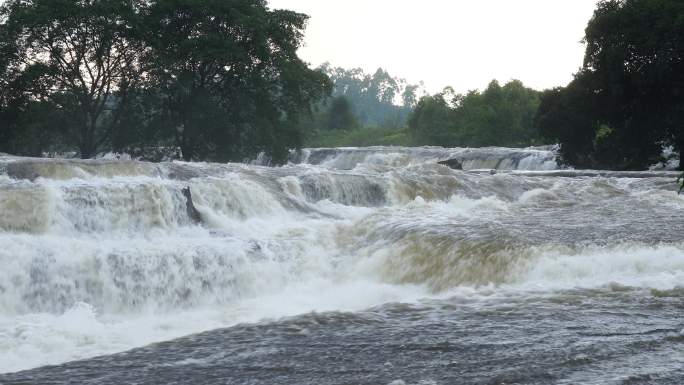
[[628, 99], [340, 115], [378, 99], [76, 57], [497, 116], [220, 79]]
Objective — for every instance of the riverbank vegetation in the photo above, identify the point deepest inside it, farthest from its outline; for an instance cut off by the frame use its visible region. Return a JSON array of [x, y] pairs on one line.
[[364, 109], [627, 101], [498, 116], [221, 81], [623, 107]]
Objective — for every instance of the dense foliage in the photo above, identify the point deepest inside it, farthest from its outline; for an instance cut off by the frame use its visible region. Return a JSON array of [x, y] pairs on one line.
[[360, 137], [378, 100], [365, 109], [498, 116], [340, 115], [627, 102], [220, 79]]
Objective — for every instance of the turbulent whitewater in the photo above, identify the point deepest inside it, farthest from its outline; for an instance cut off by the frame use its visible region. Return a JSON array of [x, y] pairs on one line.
[[424, 272]]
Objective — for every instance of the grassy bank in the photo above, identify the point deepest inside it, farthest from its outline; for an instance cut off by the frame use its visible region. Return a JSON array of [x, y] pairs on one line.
[[359, 137]]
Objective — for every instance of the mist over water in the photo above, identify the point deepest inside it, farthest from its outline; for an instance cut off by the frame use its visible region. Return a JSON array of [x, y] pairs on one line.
[[100, 257]]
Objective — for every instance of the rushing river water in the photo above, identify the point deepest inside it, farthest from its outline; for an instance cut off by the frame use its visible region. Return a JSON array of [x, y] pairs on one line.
[[348, 266]]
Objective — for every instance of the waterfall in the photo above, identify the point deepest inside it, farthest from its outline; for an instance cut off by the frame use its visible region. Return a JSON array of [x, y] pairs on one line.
[[103, 255]]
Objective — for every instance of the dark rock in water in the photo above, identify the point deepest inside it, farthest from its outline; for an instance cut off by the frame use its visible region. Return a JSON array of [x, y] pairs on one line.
[[452, 163], [155, 153], [254, 244], [320, 155], [193, 214], [23, 170]]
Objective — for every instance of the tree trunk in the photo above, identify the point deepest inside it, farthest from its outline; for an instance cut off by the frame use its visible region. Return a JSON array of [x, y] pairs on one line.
[[186, 149], [86, 154]]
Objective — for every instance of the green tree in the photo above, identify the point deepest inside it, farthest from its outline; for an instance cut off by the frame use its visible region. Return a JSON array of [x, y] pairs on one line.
[[374, 97], [431, 122], [340, 115], [142, 128], [231, 82], [79, 56], [498, 116], [566, 116], [219, 78], [633, 82]]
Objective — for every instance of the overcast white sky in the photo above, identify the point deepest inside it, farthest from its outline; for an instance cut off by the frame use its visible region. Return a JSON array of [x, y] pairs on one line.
[[462, 43]]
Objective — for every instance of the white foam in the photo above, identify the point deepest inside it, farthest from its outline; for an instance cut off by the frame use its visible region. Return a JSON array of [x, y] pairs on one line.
[[34, 340], [99, 264], [659, 267]]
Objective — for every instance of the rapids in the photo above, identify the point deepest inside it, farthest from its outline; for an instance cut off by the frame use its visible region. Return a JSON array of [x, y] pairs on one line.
[[102, 256]]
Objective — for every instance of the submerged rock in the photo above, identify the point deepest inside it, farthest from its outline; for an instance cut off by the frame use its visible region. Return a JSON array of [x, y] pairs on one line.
[[452, 163], [23, 170], [193, 214]]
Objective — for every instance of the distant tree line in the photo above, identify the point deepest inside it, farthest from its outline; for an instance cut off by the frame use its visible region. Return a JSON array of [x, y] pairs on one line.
[[361, 101], [627, 101], [622, 108], [497, 116], [220, 79], [378, 99], [400, 113]]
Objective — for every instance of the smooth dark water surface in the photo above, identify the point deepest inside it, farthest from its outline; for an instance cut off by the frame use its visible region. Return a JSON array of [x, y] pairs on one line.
[[581, 337]]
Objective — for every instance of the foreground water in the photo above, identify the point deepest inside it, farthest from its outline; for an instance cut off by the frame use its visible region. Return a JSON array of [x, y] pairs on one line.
[[349, 266]]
